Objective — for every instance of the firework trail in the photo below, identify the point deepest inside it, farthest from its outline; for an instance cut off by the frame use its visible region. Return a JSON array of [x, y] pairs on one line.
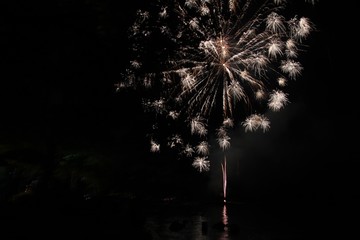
[[204, 66]]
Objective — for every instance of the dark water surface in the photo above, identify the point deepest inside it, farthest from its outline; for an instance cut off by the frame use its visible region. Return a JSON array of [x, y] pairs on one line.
[[171, 220], [226, 222]]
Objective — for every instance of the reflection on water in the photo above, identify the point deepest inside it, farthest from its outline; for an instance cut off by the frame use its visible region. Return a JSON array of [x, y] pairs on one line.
[[225, 223], [198, 224], [218, 222]]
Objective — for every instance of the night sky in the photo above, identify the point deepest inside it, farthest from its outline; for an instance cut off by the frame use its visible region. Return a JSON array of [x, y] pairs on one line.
[[60, 60]]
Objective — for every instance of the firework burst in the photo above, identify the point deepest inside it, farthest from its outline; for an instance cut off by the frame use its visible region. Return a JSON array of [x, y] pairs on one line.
[[204, 66]]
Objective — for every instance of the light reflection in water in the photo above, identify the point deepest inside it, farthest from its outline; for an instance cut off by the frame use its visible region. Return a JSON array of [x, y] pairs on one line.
[[225, 216], [210, 224], [218, 222], [225, 221]]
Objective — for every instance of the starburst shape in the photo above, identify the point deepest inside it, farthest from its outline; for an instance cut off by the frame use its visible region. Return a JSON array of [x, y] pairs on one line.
[[203, 66]]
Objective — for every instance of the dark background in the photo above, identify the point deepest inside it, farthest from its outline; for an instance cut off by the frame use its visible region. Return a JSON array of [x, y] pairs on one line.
[[59, 62]]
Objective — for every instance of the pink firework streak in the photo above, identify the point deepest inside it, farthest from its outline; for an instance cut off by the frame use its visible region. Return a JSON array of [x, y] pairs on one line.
[[223, 168]]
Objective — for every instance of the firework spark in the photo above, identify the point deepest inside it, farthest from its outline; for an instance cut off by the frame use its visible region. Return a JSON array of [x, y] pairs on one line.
[[206, 64], [201, 164]]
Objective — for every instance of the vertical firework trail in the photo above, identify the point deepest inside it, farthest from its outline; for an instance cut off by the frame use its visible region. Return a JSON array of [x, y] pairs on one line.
[[224, 175], [204, 66]]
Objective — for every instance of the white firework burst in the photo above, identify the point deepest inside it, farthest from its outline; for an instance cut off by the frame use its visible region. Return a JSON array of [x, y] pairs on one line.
[[201, 163], [204, 62], [255, 121]]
